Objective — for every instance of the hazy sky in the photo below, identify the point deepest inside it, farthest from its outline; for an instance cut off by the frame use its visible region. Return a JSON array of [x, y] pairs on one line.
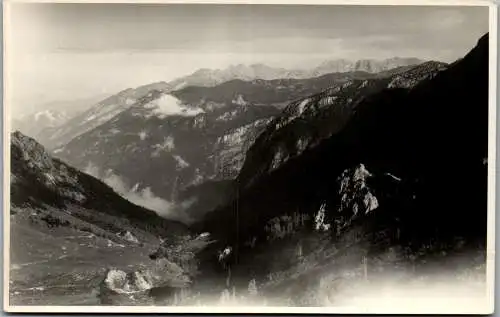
[[62, 52]]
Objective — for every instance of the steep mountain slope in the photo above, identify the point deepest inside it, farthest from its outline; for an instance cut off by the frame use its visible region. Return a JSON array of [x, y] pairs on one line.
[[67, 228], [55, 136], [277, 92], [406, 173], [365, 65], [39, 181], [307, 121], [162, 145], [153, 134], [96, 115], [212, 77]]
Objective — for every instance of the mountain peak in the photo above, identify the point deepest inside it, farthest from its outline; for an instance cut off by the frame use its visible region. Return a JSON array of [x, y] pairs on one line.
[[30, 151], [25, 143], [211, 77]]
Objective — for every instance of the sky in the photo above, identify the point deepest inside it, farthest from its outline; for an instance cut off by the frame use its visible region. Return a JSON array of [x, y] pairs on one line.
[[60, 52]]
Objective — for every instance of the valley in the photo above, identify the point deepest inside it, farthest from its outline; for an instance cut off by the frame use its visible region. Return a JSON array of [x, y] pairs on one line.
[[260, 186]]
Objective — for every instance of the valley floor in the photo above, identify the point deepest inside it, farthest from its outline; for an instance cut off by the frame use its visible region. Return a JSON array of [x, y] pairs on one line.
[[62, 266]]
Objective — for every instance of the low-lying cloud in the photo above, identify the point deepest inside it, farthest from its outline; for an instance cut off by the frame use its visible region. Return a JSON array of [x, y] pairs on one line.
[[143, 197], [168, 105]]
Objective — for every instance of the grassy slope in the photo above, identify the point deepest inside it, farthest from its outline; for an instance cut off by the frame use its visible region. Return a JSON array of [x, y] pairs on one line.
[[64, 265]]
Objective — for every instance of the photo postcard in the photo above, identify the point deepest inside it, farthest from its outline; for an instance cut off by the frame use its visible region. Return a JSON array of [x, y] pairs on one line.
[[264, 157]]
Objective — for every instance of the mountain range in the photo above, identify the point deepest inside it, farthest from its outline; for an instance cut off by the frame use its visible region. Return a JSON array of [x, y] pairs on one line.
[[211, 77], [75, 118], [154, 135], [299, 186], [35, 123]]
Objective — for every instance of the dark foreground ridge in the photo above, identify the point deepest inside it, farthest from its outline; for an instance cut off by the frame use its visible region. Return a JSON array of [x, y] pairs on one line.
[[409, 165]]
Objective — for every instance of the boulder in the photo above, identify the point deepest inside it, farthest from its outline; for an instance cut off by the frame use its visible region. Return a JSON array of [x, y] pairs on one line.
[[142, 286]]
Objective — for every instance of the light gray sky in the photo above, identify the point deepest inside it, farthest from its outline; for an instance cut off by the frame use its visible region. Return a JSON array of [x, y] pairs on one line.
[[62, 52]]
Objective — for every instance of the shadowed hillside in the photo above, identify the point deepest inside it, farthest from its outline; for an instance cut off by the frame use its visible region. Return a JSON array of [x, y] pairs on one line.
[[410, 163]]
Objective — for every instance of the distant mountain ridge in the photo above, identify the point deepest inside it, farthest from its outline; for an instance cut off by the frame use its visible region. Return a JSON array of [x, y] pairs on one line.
[[74, 124], [50, 115], [34, 123], [97, 114], [211, 77]]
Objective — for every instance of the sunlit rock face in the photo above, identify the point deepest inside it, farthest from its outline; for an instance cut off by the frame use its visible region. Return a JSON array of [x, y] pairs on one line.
[[354, 191], [305, 122]]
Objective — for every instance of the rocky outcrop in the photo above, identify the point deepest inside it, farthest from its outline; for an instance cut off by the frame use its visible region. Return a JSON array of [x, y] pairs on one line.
[[412, 77], [128, 236], [354, 193]]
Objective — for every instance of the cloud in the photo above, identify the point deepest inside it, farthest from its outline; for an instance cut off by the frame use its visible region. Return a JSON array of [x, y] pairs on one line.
[[164, 42], [143, 197], [447, 19], [168, 105]]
